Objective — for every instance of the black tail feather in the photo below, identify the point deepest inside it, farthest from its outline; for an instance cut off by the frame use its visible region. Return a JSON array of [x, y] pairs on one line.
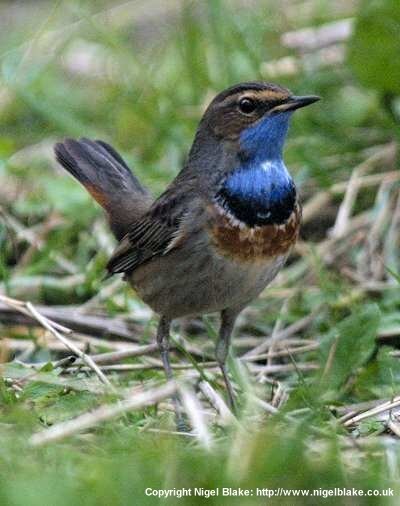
[[106, 176]]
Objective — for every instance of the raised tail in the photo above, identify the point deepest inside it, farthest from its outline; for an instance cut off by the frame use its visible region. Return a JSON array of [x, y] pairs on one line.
[[105, 175]]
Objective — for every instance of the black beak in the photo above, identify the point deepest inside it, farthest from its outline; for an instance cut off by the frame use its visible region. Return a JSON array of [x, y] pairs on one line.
[[294, 102]]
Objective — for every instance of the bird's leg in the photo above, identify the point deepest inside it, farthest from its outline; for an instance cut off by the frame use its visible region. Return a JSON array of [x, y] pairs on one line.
[[163, 345], [228, 317]]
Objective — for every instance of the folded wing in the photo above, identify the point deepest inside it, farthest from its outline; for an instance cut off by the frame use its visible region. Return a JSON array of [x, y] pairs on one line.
[[159, 231]]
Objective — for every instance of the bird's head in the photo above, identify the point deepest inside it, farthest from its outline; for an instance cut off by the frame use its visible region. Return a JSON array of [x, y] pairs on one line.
[[254, 117]]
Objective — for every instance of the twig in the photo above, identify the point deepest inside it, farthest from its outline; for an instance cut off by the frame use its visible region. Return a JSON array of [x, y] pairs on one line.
[[357, 407], [283, 334], [394, 427], [373, 412], [314, 205], [22, 307], [280, 396], [266, 406], [54, 328], [70, 345], [281, 368], [346, 207], [217, 402], [146, 367], [113, 328], [116, 356], [282, 353], [385, 155], [51, 344]]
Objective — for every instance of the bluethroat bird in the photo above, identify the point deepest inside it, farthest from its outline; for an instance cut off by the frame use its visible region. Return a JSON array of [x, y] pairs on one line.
[[221, 230]]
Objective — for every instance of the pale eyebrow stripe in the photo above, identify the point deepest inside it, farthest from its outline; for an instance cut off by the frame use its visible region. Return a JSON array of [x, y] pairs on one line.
[[256, 95]]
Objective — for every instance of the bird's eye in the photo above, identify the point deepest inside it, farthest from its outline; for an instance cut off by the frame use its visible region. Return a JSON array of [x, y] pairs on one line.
[[247, 105]]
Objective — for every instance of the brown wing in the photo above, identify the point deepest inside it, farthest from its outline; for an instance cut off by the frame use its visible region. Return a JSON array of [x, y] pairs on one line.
[[155, 233]]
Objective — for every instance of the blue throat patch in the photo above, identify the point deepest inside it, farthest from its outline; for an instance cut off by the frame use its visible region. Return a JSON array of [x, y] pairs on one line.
[[260, 191]]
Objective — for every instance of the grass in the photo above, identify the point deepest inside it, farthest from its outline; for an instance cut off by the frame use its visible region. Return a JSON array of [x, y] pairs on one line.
[[140, 79]]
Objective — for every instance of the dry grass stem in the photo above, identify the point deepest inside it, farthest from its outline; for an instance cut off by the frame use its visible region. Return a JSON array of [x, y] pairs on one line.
[[266, 406], [194, 411], [145, 367], [54, 328], [217, 402], [70, 345], [282, 352], [387, 406], [116, 356], [288, 331]]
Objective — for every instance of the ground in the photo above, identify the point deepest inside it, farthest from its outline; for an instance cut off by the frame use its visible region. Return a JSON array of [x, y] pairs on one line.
[[312, 356]]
